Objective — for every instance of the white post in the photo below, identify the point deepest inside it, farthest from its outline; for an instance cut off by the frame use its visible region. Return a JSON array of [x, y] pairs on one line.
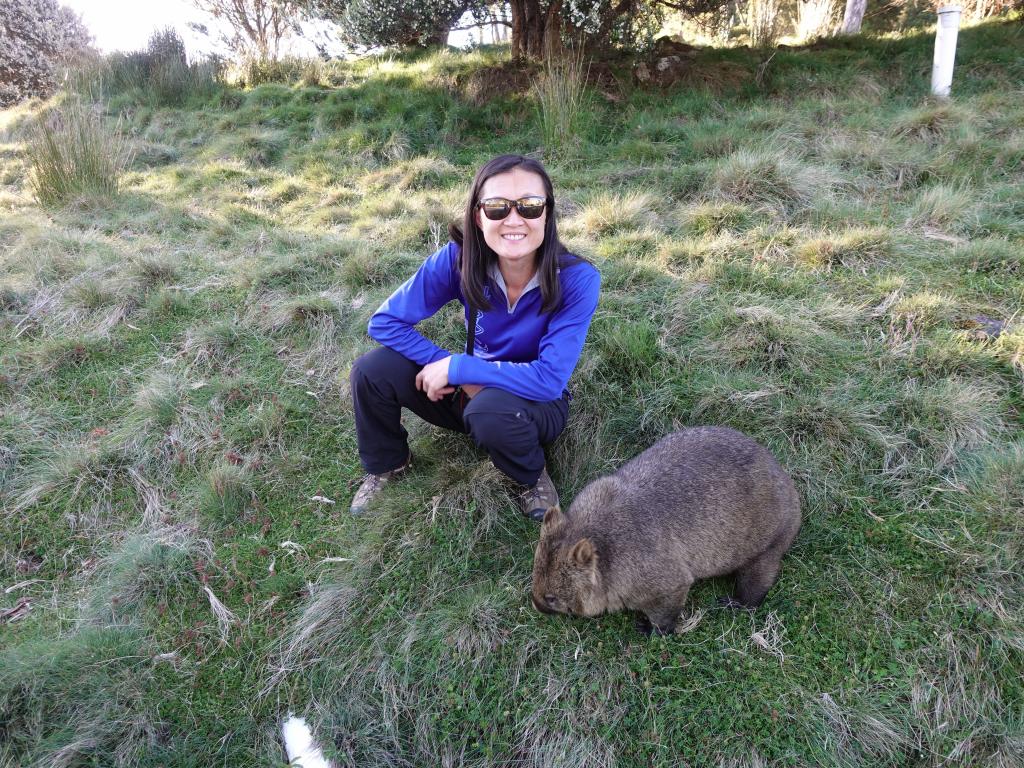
[[945, 50]]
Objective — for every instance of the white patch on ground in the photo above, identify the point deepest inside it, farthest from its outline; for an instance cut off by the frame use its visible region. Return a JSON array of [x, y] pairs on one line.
[[299, 745]]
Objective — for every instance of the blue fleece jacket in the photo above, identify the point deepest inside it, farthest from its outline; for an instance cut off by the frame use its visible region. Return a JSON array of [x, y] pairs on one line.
[[521, 350]]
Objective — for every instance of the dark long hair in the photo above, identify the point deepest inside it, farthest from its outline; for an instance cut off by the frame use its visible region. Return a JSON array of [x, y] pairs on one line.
[[477, 255]]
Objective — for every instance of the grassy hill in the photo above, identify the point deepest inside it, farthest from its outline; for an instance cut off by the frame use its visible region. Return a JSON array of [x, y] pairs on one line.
[[811, 250]]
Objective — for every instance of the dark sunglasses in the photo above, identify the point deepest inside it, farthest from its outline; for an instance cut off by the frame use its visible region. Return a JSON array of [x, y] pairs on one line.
[[497, 208]]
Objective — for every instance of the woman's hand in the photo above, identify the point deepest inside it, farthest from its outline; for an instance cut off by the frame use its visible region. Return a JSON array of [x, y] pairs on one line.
[[433, 379]]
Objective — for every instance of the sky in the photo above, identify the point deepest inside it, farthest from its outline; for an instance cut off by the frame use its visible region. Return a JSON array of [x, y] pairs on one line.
[[125, 25]]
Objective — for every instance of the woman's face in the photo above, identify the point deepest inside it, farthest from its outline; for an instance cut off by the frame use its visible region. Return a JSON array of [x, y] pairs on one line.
[[514, 238]]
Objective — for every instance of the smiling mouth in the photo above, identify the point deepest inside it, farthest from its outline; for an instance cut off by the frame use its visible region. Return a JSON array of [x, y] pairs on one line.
[[513, 236]]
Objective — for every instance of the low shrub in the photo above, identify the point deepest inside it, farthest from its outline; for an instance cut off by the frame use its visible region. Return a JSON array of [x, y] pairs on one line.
[[162, 72], [561, 100], [72, 154]]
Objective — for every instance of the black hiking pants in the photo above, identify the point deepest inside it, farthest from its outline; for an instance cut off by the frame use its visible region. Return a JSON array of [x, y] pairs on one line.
[[511, 429]]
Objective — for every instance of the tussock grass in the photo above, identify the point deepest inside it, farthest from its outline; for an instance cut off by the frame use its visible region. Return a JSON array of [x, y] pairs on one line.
[[854, 247], [418, 173], [90, 470], [560, 91], [158, 401], [89, 688], [769, 177], [72, 154], [59, 354], [630, 251], [211, 343], [153, 271], [776, 339], [304, 263], [912, 315], [942, 206], [714, 218], [92, 293], [261, 149], [678, 255], [227, 491], [609, 213], [878, 161], [167, 302], [146, 570], [291, 313], [949, 419], [371, 268], [930, 123]]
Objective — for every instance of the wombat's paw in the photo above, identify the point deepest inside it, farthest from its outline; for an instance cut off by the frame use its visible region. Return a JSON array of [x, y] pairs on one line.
[[643, 626], [733, 603], [649, 629]]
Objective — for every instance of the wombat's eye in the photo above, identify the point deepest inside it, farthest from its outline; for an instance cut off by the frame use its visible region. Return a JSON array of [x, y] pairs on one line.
[[550, 599]]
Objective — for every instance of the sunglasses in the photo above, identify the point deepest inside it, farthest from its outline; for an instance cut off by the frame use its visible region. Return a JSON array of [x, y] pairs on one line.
[[497, 208]]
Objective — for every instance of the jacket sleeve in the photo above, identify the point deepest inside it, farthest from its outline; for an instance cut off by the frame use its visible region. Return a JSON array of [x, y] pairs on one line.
[[557, 354], [434, 285]]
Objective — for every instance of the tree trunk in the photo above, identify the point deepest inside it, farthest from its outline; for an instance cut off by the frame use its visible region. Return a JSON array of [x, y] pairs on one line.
[[553, 30], [853, 17], [536, 28]]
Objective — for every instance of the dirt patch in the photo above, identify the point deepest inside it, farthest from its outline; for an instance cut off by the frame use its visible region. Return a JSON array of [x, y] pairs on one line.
[[505, 80], [675, 63]]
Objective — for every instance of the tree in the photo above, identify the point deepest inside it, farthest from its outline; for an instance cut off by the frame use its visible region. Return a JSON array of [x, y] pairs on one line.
[[538, 26], [37, 37], [257, 26], [393, 22], [853, 17]]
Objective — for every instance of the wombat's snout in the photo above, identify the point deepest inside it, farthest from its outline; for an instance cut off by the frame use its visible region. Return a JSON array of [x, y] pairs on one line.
[[541, 605]]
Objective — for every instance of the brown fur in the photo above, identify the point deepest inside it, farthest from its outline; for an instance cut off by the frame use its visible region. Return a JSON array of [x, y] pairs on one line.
[[701, 502]]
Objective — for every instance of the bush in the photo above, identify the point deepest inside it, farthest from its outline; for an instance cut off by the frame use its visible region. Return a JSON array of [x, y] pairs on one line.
[[253, 71], [72, 155], [162, 71], [561, 100], [394, 22], [36, 38]]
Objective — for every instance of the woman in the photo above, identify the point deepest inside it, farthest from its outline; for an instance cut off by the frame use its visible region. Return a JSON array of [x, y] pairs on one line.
[[532, 302]]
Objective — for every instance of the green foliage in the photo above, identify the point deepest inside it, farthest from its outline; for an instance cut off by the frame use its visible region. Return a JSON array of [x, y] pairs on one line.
[[38, 39], [562, 101], [73, 154], [226, 492], [394, 22], [65, 700], [161, 74]]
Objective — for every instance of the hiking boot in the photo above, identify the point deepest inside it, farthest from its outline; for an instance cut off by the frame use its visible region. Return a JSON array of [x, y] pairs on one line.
[[539, 498], [372, 485]]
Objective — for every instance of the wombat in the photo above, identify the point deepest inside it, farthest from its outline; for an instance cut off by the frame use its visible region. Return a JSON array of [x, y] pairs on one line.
[[700, 502]]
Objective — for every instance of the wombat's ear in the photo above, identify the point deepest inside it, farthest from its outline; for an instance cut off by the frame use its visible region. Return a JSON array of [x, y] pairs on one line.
[[553, 517], [582, 554]]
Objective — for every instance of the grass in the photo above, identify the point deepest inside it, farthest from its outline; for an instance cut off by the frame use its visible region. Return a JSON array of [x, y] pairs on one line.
[[826, 259], [71, 155], [562, 99]]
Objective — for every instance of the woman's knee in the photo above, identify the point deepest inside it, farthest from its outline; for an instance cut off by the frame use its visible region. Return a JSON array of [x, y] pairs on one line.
[[380, 364], [495, 424]]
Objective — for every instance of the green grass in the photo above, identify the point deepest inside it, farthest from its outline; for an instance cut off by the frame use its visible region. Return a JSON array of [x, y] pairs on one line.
[[818, 260]]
